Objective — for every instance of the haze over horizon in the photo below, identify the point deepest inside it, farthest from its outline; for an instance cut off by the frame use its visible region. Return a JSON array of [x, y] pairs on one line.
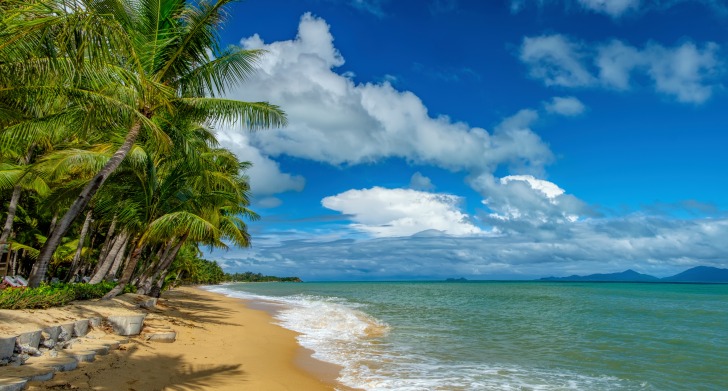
[[514, 139]]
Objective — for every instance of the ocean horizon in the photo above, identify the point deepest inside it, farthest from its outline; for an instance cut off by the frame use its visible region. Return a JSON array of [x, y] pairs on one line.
[[507, 335]]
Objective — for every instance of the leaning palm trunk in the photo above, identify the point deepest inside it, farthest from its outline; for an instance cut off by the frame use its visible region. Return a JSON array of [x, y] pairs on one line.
[[117, 246], [75, 264], [41, 264], [118, 261], [145, 280], [128, 271], [108, 242], [145, 286], [156, 290], [12, 207]]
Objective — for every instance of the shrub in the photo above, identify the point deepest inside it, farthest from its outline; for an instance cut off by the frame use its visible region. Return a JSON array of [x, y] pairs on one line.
[[46, 296]]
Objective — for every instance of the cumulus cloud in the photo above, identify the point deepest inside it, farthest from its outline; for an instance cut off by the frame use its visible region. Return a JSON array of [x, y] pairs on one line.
[[520, 203], [568, 106], [421, 182], [385, 212], [334, 120], [685, 72]]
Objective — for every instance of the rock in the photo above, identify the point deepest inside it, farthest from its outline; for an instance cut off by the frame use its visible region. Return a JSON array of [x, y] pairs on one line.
[[12, 383], [7, 346], [30, 338], [29, 350], [127, 324], [60, 364], [30, 372], [80, 328], [66, 331]]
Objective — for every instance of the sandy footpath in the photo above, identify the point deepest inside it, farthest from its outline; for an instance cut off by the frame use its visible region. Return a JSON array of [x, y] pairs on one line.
[[221, 345]]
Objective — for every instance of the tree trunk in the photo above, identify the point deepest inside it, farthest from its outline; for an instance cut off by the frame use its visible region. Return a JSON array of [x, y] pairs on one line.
[[82, 238], [54, 220], [127, 273], [12, 207], [108, 242], [118, 261], [118, 244], [162, 267], [14, 267], [145, 280], [156, 290], [41, 264]]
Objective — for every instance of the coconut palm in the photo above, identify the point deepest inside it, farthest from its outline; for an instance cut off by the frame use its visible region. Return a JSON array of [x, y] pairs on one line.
[[132, 63]]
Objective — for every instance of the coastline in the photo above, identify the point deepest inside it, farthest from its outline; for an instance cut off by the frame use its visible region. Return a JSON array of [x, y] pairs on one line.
[[222, 344]]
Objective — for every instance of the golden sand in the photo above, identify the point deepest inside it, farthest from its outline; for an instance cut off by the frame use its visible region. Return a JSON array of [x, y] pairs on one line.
[[221, 345]]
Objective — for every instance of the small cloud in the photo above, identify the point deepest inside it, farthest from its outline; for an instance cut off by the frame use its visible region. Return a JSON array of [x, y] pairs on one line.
[[373, 7], [568, 106], [268, 202], [556, 60], [686, 72], [421, 182], [613, 8]]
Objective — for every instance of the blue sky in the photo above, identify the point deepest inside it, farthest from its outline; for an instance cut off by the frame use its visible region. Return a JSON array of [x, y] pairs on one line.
[[484, 139]]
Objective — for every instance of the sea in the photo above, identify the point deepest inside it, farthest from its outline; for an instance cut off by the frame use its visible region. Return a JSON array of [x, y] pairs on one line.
[[494, 335]]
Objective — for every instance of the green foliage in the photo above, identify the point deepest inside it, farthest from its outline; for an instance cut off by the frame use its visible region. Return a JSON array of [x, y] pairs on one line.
[[194, 270], [257, 277], [46, 296]]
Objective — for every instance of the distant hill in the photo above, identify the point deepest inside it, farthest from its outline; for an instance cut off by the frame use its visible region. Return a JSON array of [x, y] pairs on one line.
[[625, 276], [700, 274], [705, 274]]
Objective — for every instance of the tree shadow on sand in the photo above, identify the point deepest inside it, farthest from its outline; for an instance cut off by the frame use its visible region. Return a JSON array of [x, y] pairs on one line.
[[126, 372], [194, 307]]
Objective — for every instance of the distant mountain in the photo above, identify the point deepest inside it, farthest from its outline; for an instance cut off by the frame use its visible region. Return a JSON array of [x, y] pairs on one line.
[[700, 274], [705, 274], [625, 276]]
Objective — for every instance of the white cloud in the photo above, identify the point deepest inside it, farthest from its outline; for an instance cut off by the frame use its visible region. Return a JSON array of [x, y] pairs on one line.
[[681, 71], [265, 175], [568, 106], [334, 120], [372, 6], [522, 202], [619, 8], [556, 60], [401, 212], [613, 8], [421, 182], [685, 72]]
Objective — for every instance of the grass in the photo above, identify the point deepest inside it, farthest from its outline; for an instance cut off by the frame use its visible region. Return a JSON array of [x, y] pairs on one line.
[[55, 295]]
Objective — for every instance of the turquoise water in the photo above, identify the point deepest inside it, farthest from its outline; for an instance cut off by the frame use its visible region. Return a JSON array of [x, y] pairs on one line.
[[510, 335]]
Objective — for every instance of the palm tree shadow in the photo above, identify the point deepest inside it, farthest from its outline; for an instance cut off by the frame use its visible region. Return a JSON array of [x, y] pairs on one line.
[[195, 308], [129, 373]]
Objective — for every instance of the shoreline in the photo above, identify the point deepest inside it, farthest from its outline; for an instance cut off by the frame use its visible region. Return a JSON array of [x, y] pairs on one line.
[[223, 343]]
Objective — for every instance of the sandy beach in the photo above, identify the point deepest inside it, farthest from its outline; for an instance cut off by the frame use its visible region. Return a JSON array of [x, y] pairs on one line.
[[221, 345]]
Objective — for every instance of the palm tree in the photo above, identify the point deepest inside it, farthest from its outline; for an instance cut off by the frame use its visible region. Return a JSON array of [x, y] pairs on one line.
[[162, 57]]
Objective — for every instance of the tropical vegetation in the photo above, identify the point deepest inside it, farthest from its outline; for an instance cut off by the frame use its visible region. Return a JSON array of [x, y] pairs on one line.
[[109, 164]]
